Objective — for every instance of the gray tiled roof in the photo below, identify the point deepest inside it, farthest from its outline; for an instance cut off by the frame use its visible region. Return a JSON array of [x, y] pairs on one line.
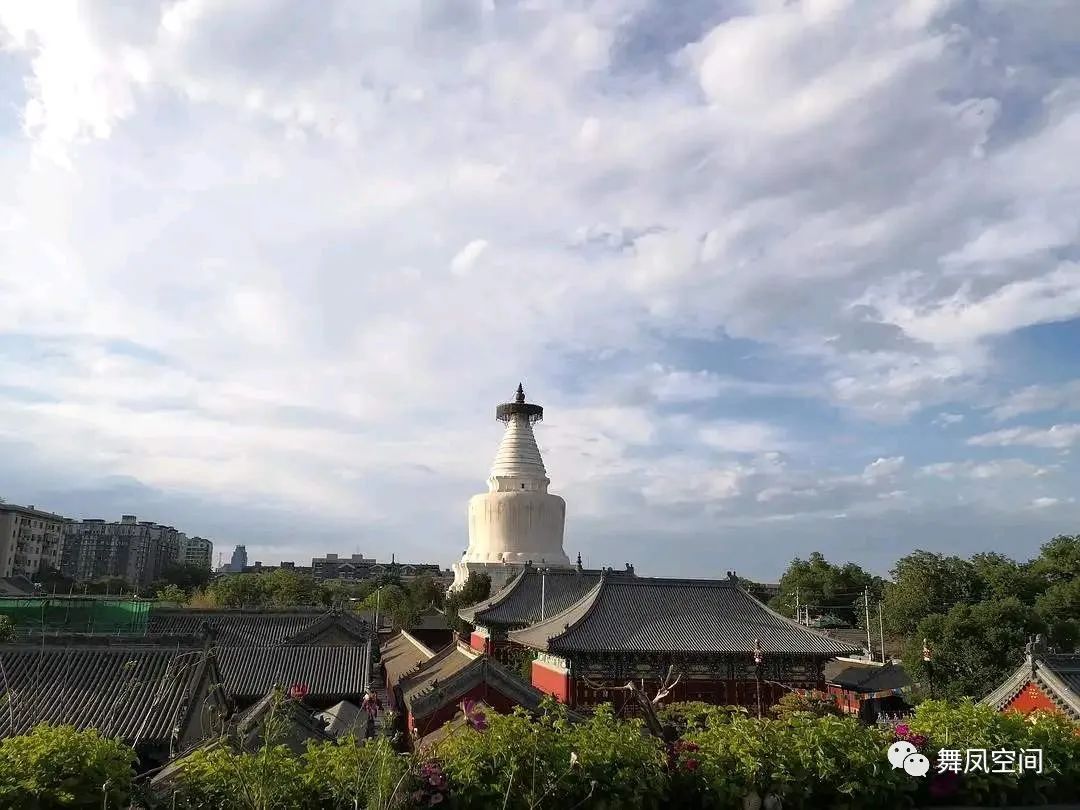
[[138, 694], [448, 661], [642, 614], [233, 627], [401, 655], [532, 593], [866, 676], [454, 672], [330, 673], [248, 628], [1057, 675]]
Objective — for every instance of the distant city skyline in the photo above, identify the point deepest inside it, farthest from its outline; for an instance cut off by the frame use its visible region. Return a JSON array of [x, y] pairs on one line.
[[786, 276]]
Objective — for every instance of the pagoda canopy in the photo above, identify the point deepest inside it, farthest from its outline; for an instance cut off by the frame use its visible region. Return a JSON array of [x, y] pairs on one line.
[[535, 594], [656, 615]]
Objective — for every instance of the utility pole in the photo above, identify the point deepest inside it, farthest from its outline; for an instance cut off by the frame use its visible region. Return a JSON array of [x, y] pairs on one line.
[[881, 631], [543, 594], [798, 612], [866, 604]]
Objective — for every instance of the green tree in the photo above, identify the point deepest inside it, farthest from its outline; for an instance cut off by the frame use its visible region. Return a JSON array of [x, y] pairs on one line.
[[239, 591], [1001, 577], [973, 647], [286, 588], [1059, 608], [1059, 560], [424, 593], [187, 577], [826, 588], [925, 583], [7, 629], [477, 588], [171, 593], [60, 767]]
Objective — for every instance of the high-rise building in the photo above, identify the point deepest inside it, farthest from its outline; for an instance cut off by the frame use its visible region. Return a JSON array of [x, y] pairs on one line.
[[138, 551], [239, 559], [30, 540], [196, 551], [517, 521]]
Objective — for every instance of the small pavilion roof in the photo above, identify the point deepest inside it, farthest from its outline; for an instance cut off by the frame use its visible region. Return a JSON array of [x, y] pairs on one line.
[[646, 615], [453, 672]]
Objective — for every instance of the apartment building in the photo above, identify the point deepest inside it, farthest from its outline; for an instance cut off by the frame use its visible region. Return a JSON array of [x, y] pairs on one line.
[[196, 551], [138, 551], [357, 566], [30, 540]]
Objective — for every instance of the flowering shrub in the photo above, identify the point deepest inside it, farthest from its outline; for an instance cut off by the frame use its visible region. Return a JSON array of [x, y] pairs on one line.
[[57, 766], [518, 762], [968, 725], [723, 759]]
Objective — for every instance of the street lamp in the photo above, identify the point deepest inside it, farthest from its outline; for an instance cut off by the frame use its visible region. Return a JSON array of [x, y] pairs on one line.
[[929, 666], [758, 657]]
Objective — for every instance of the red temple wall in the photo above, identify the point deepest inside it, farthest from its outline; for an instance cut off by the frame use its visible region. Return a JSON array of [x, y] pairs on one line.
[[479, 643], [1031, 698], [716, 692], [551, 681], [848, 701]]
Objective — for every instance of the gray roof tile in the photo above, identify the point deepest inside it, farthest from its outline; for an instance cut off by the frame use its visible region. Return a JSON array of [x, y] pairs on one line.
[[534, 593], [330, 673], [139, 694], [253, 628], [642, 614]]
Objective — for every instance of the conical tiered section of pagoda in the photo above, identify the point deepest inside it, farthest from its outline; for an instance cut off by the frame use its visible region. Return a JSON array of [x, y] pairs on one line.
[[517, 521]]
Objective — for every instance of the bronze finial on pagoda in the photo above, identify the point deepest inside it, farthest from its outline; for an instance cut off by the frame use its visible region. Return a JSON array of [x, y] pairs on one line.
[[519, 407]]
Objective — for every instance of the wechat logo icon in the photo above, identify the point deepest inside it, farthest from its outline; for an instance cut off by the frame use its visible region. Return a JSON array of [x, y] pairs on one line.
[[903, 754]]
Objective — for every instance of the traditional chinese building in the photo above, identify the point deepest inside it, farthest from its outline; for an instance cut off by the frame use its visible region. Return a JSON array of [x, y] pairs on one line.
[[1044, 682], [534, 595], [711, 632], [868, 689], [427, 688], [517, 521]]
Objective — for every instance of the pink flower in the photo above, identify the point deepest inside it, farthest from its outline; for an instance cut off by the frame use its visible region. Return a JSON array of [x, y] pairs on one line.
[[902, 730], [691, 764], [918, 740]]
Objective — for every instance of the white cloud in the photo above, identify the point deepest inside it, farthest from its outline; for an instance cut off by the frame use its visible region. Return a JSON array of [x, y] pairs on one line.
[[265, 200], [998, 468], [1038, 398], [465, 258], [883, 468], [1043, 503], [1056, 437], [945, 419]]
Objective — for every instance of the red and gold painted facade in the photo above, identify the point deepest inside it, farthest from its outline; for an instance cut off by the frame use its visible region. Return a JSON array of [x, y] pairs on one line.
[[585, 682], [1030, 699]]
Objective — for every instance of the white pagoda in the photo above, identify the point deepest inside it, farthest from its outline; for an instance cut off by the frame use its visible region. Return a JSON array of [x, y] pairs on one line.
[[517, 521]]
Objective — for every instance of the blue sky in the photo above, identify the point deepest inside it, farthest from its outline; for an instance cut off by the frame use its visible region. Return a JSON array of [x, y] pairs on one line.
[[787, 276]]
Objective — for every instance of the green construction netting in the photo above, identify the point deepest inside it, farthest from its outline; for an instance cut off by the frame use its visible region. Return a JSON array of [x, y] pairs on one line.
[[74, 615]]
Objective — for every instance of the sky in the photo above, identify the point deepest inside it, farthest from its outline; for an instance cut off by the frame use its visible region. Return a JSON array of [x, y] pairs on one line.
[[786, 276]]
